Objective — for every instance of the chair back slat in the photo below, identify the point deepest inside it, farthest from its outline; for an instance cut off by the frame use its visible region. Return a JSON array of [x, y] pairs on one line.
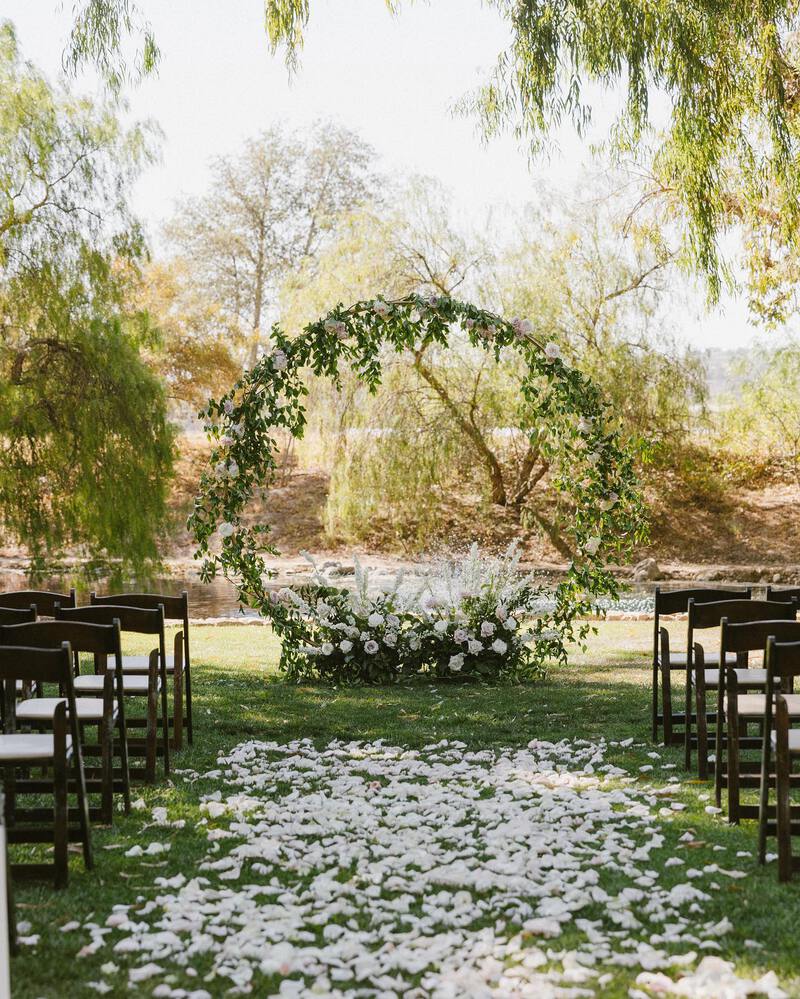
[[31, 664], [14, 615], [782, 659], [45, 600], [175, 608], [751, 636], [677, 601], [101, 639], [135, 619], [782, 594], [738, 611]]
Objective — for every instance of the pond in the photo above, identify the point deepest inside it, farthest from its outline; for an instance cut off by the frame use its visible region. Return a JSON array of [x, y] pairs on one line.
[[218, 598]]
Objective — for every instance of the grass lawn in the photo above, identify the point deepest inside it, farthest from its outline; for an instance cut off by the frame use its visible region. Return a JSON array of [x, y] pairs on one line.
[[604, 693]]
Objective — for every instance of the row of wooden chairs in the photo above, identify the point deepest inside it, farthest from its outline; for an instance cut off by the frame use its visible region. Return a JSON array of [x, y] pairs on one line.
[[44, 741], [746, 710]]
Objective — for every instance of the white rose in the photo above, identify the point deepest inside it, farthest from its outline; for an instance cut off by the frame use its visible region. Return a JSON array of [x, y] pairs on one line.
[[592, 546], [375, 619], [414, 316], [226, 440], [233, 470], [460, 635], [393, 621], [371, 647], [225, 529], [237, 428], [345, 645], [487, 629], [474, 646], [552, 351], [456, 662], [390, 639], [500, 612], [414, 642], [511, 624], [279, 359], [499, 646], [522, 327], [327, 649], [380, 308], [440, 627], [228, 406]]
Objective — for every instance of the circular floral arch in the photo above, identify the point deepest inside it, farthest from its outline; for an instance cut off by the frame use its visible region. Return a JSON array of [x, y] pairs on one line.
[[593, 463]]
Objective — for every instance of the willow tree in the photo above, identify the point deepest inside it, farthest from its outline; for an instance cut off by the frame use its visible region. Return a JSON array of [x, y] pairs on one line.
[[728, 151], [85, 448]]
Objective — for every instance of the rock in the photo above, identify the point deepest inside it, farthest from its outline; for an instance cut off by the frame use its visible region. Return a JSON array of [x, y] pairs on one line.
[[343, 570], [647, 569], [777, 577]]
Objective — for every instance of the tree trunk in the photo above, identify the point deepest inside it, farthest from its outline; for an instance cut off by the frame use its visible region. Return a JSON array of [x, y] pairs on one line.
[[487, 457]]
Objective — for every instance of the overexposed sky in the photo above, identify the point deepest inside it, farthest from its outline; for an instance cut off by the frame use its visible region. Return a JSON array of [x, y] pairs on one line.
[[394, 80]]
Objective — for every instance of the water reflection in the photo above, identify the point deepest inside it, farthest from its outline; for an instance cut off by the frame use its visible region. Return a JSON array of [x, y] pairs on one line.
[[218, 598]]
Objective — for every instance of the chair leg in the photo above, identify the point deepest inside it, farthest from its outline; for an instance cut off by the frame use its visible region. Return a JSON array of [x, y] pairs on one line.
[[763, 800], [732, 721], [165, 724], [654, 699], [687, 729], [123, 757], [177, 707], [60, 823], [152, 727], [187, 675], [107, 765], [83, 809], [666, 699], [702, 732], [784, 827]]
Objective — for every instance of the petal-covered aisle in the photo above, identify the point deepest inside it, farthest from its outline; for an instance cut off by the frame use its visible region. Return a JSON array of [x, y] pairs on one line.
[[374, 870]]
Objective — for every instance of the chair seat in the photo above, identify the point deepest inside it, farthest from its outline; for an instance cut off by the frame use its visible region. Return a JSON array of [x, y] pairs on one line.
[[141, 664], [131, 684], [745, 677], [41, 709], [794, 740], [28, 747], [710, 658]]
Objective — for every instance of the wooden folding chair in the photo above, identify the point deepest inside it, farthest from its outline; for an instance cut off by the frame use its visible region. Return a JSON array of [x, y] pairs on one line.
[[781, 742], [8, 919], [105, 713], [178, 665], [58, 752], [665, 661], [700, 679], [140, 621], [738, 712], [12, 615], [45, 600]]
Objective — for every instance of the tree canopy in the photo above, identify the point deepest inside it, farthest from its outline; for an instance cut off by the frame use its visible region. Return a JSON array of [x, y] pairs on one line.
[[727, 152], [85, 447]]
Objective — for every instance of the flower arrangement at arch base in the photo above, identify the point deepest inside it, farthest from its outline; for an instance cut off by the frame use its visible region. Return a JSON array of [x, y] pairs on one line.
[[484, 618], [469, 619]]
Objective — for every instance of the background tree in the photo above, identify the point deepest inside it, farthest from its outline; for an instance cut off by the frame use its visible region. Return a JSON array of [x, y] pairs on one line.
[[269, 210], [445, 426], [85, 448], [728, 71], [198, 353]]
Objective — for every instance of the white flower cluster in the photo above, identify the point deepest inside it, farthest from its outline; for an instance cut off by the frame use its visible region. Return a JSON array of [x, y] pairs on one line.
[[468, 617]]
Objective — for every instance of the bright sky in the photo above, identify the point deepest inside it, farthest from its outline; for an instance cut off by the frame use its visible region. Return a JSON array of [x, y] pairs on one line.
[[394, 80]]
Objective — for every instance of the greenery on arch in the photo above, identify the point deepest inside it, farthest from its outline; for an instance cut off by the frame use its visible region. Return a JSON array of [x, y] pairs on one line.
[[593, 466]]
